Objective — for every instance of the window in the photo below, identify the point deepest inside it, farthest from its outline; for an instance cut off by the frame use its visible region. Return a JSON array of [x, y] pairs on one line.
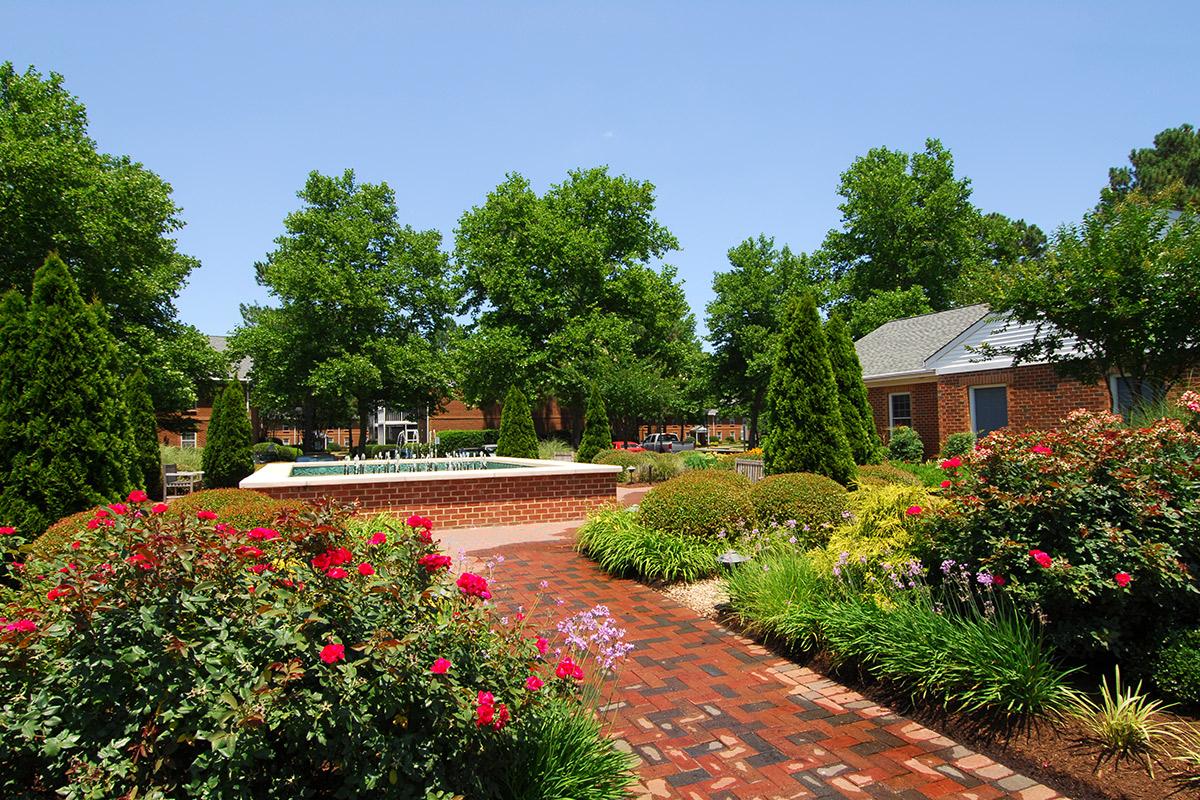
[[1124, 396], [899, 410], [989, 409], [187, 439]]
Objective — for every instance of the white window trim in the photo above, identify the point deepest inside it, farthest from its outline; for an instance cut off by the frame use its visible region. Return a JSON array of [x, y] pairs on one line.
[[971, 401], [892, 419], [195, 440]]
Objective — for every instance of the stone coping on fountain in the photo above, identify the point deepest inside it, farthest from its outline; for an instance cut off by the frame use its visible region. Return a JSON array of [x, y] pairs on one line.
[[278, 474]]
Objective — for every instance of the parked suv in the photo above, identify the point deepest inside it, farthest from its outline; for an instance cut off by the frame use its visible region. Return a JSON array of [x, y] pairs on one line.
[[665, 443]]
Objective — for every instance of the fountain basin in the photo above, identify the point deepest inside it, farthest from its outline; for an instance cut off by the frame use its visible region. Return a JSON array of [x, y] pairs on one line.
[[454, 493]]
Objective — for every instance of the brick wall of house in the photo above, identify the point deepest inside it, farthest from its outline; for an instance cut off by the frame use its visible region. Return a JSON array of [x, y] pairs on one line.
[[474, 502], [924, 410]]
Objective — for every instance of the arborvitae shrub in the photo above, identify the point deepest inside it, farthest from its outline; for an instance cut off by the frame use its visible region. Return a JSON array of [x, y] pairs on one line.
[[145, 433], [228, 454], [905, 445], [517, 436], [700, 504], [806, 431], [74, 443], [597, 435], [811, 500], [857, 417]]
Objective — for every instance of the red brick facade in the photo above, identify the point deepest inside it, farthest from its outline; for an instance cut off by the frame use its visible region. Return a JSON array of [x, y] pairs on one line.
[[1037, 398], [473, 502]]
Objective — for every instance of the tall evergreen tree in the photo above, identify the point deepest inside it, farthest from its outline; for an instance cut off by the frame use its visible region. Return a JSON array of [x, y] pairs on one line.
[[806, 432], [145, 433], [857, 417], [597, 435], [517, 437], [75, 442], [14, 338], [228, 454]]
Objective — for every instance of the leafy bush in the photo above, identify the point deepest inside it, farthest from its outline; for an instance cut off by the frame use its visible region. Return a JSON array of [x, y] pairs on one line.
[[266, 452], [208, 662], [1175, 666], [696, 460], [814, 501], [905, 445], [622, 545], [452, 440], [59, 536], [549, 448], [1093, 525], [958, 444], [699, 504], [872, 476], [242, 508], [882, 526], [186, 459]]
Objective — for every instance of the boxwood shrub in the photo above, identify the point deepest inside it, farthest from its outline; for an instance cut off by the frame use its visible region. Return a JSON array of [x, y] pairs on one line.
[[1175, 668], [242, 508], [905, 445], [449, 441], [266, 452], [699, 503], [811, 500]]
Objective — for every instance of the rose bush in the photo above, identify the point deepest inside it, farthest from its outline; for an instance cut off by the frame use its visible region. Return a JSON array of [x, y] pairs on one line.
[[181, 656], [1093, 525]]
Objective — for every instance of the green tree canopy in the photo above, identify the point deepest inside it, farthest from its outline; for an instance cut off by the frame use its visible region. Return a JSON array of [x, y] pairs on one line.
[[864, 316], [362, 313], [806, 431], [857, 417], [1174, 159], [744, 318], [75, 442], [228, 455], [562, 283], [517, 437], [109, 219], [597, 435], [1117, 293]]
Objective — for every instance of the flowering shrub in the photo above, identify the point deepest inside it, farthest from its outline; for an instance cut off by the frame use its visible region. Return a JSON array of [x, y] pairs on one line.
[[181, 656], [1093, 525], [884, 524]]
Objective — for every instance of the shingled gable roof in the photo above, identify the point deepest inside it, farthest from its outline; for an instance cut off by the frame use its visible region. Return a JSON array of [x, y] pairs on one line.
[[904, 345], [220, 343]]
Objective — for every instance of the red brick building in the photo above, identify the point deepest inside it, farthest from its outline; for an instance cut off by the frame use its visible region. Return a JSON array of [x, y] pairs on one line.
[[927, 372]]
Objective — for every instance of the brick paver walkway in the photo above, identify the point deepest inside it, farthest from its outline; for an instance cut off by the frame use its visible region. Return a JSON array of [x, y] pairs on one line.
[[712, 714]]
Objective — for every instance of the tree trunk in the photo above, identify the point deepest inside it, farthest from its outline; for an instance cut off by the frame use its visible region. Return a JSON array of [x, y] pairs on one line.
[[752, 438], [308, 415]]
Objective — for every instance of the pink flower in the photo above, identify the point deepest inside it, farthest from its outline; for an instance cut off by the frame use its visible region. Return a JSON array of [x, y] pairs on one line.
[[542, 645], [266, 534], [952, 463], [1041, 450], [473, 585], [440, 667], [568, 669], [337, 573], [913, 511], [333, 653], [1123, 579], [1041, 557], [7, 530], [533, 683], [206, 516], [365, 569], [22, 626], [432, 562], [417, 521], [158, 508], [946, 484], [138, 496], [119, 508], [378, 537]]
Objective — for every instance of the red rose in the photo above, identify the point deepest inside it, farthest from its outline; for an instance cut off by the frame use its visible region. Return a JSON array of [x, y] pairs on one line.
[[22, 626], [57, 592], [266, 534], [337, 573], [1041, 450], [568, 669], [365, 569], [7, 531], [75, 545], [119, 508], [259, 569], [138, 496], [378, 537], [333, 653], [248, 551], [158, 508], [913, 511], [501, 717], [339, 556], [473, 585], [434, 561], [321, 562], [484, 714], [1123, 579], [1042, 558], [206, 516], [952, 463], [542, 645], [533, 683], [998, 580], [946, 484], [417, 521], [440, 667]]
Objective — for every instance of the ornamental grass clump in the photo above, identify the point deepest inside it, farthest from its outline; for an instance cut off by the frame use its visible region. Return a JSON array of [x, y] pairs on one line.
[[622, 545], [181, 656], [1125, 723]]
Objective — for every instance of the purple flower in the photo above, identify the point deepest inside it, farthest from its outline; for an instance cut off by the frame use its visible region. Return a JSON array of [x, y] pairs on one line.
[[948, 565], [984, 577]]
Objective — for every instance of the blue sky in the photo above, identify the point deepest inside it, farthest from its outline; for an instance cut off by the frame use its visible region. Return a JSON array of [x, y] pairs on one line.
[[742, 114]]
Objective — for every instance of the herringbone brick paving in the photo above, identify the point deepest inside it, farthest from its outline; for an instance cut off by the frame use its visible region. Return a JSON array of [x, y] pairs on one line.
[[712, 714]]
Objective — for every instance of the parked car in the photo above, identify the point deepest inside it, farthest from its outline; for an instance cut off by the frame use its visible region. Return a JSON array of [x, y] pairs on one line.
[[665, 443], [632, 447]]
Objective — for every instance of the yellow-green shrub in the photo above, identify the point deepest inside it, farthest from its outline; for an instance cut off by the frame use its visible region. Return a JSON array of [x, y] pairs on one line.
[[876, 475], [881, 526], [809, 499], [699, 503], [58, 536], [242, 508]]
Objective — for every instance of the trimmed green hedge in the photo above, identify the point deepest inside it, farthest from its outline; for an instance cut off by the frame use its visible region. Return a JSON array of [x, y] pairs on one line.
[[449, 441], [809, 499], [701, 503], [242, 508], [266, 452], [1176, 667]]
